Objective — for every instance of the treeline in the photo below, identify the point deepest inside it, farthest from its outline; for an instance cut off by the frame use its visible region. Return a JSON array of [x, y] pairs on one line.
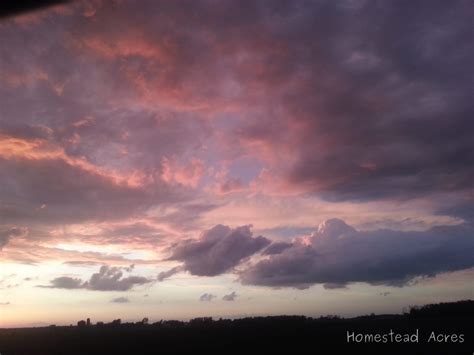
[[272, 334], [460, 309]]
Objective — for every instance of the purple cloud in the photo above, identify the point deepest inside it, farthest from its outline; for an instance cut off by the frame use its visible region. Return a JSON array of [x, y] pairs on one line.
[[337, 254], [66, 282], [218, 250], [107, 279], [168, 273], [276, 248]]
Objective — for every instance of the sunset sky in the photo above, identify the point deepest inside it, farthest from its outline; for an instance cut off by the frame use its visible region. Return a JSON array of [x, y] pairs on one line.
[[176, 159]]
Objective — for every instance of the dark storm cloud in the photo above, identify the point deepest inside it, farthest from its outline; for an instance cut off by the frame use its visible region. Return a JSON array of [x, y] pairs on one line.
[[337, 254], [386, 106], [107, 279], [218, 250], [372, 100]]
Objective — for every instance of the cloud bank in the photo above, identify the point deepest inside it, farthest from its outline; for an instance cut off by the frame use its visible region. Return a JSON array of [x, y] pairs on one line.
[[337, 254]]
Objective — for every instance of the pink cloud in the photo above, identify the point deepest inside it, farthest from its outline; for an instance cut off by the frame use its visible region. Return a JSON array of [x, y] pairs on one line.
[[188, 174]]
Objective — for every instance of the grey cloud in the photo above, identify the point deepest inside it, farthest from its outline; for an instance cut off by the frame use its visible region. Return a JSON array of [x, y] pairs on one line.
[[120, 300], [67, 282], [107, 279], [111, 279], [337, 254], [168, 273], [218, 250], [230, 297], [207, 297], [334, 286]]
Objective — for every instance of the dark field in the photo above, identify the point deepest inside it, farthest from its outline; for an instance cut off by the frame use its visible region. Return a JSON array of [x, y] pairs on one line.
[[291, 334]]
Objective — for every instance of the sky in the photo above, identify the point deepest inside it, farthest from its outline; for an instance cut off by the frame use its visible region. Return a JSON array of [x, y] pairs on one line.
[[177, 159]]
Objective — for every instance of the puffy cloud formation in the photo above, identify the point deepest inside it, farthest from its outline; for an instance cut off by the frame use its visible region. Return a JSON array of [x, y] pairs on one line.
[[120, 300], [111, 279], [207, 297], [218, 250], [337, 254], [230, 297], [107, 279]]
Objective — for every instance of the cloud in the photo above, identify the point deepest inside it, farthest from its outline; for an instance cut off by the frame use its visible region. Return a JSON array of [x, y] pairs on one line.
[[230, 185], [8, 233], [334, 286], [337, 254], [168, 273], [347, 119], [111, 279], [186, 175], [81, 263], [218, 250], [341, 84], [107, 279], [230, 297], [207, 297], [276, 248], [120, 300], [73, 189], [67, 282], [361, 103]]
